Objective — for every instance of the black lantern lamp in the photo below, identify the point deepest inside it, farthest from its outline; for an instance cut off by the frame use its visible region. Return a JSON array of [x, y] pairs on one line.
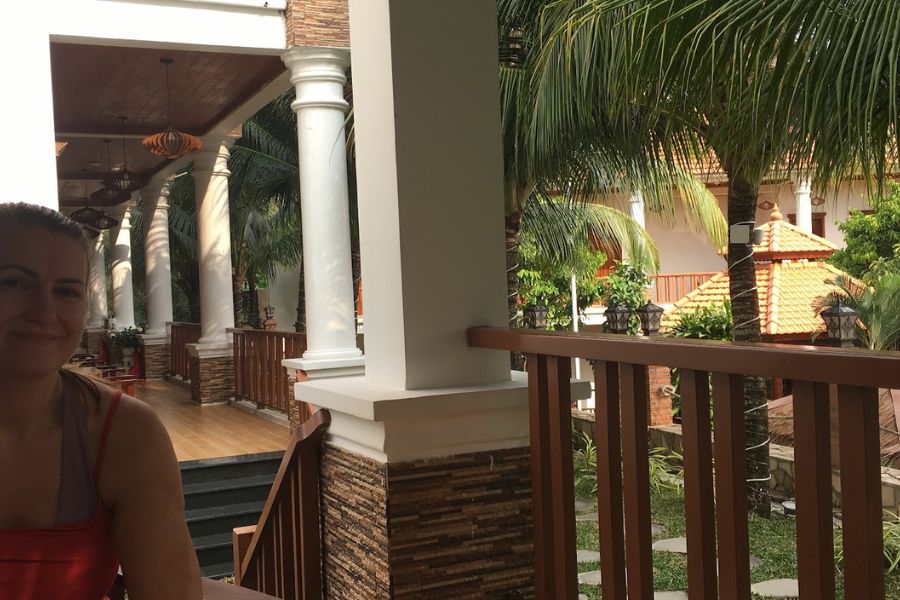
[[106, 195], [536, 316], [270, 312], [617, 318], [650, 315], [840, 320], [124, 181]]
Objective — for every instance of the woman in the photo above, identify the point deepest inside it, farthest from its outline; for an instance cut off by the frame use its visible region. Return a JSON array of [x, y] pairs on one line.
[[90, 479]]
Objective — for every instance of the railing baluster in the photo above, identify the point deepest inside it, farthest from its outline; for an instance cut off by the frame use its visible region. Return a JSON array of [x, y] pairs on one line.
[[308, 531], [635, 462], [559, 386], [731, 487], [860, 492], [812, 484], [541, 494], [699, 504], [609, 480]]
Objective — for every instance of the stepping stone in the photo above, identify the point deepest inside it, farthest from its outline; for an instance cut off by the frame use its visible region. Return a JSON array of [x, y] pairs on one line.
[[656, 530], [590, 516], [679, 546], [586, 556], [589, 578], [777, 588], [670, 596], [675, 545], [584, 504], [582, 597]]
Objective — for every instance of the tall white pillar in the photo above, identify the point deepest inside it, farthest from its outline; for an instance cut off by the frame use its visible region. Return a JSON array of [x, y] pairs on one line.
[[318, 74], [636, 204], [156, 258], [214, 243], [123, 290], [99, 308], [26, 52], [803, 196]]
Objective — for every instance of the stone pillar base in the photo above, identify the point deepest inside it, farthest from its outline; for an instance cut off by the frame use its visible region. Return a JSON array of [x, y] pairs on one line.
[[212, 373], [660, 401], [452, 527], [93, 339], [157, 355]]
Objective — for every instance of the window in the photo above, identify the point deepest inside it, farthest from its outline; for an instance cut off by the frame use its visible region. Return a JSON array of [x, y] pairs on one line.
[[818, 222]]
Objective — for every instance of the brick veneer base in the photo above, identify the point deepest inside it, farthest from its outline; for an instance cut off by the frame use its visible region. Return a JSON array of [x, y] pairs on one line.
[[660, 402], [157, 360], [93, 341], [457, 527], [212, 379], [322, 23]]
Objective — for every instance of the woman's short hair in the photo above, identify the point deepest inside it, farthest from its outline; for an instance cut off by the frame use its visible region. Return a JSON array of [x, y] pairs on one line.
[[21, 213]]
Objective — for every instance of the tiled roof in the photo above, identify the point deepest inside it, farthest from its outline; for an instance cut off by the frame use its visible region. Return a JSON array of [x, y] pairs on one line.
[[786, 290], [783, 240]]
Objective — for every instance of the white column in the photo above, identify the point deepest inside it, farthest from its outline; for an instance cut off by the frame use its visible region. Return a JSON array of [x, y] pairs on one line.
[[99, 310], [26, 51], [214, 243], [156, 258], [123, 291], [803, 196], [318, 74], [636, 204]]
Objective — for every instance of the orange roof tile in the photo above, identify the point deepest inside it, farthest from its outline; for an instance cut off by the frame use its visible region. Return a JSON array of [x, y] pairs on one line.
[[783, 241], [786, 291]]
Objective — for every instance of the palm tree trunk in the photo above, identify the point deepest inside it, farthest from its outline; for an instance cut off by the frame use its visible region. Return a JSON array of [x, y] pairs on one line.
[[742, 200], [237, 293], [300, 323], [513, 226]]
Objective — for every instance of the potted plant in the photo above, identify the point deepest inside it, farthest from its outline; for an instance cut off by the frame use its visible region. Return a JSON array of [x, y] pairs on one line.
[[127, 339]]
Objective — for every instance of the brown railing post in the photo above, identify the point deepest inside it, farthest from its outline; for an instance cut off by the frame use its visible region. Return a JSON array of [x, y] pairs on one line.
[[609, 480], [699, 504], [635, 396], [559, 376], [861, 492], [812, 485], [731, 487], [542, 496]]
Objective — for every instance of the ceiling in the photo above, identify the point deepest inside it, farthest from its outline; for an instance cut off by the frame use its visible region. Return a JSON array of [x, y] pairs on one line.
[[95, 85]]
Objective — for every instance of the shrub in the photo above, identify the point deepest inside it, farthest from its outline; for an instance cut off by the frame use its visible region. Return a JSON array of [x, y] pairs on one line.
[[126, 337], [873, 241], [707, 323], [666, 469], [626, 286], [890, 533]]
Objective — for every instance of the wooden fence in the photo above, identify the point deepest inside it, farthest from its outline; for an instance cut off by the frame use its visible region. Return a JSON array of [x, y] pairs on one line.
[[715, 502], [182, 334], [258, 374]]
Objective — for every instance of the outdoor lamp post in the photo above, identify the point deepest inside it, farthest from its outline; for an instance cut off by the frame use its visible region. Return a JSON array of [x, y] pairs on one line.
[[840, 320], [270, 311], [617, 318], [536, 315], [650, 315]]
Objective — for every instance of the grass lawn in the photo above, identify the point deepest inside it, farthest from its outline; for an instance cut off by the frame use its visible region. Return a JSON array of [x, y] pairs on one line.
[[772, 540]]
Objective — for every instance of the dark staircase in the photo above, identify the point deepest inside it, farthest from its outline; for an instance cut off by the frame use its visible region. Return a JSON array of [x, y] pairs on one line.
[[221, 494]]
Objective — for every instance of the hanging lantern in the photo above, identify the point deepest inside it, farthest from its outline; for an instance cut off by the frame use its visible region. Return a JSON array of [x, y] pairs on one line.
[[170, 142], [124, 181], [651, 316], [95, 219], [107, 196]]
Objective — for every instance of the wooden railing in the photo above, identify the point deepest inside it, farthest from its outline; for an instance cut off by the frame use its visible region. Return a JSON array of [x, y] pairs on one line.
[[672, 287], [258, 374], [183, 334], [281, 555], [716, 507]]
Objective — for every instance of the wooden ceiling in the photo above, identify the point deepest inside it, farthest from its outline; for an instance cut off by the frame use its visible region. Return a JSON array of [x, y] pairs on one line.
[[95, 85]]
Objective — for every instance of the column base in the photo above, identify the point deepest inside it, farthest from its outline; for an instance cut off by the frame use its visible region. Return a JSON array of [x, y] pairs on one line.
[[93, 339], [212, 372], [453, 527], [327, 367], [156, 351]]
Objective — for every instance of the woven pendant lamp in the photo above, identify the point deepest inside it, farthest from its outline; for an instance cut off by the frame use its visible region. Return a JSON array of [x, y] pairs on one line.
[[170, 142]]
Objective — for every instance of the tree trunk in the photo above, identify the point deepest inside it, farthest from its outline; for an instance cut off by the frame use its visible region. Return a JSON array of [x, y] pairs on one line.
[[742, 200], [513, 225], [237, 293], [300, 323]]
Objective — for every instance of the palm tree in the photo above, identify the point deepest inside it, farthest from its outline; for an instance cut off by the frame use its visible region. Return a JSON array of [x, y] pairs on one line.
[[747, 84], [603, 157]]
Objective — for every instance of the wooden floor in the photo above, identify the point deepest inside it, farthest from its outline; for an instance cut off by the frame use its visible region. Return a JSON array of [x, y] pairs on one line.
[[209, 431]]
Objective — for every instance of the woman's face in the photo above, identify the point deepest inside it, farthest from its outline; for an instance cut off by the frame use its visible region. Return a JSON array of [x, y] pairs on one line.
[[43, 278]]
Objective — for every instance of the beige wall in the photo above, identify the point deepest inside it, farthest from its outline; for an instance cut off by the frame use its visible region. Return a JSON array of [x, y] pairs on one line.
[[683, 250]]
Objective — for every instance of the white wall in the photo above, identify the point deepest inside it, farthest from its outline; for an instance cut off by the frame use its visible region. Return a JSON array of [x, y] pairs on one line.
[[283, 297]]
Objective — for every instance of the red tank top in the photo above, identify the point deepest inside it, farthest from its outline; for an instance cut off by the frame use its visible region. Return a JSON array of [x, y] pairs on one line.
[[76, 562]]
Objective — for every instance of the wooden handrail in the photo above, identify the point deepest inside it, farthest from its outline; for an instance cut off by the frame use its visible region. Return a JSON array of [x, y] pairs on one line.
[[259, 376], [283, 554], [669, 288], [715, 501], [181, 335]]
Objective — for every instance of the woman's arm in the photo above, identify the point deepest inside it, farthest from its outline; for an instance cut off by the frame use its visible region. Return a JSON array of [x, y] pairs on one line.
[[141, 482]]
